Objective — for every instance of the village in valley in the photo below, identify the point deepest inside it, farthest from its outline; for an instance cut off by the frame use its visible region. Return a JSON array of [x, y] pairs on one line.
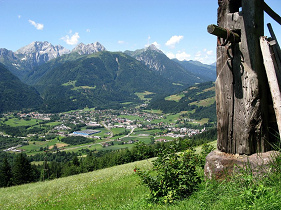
[[103, 129]]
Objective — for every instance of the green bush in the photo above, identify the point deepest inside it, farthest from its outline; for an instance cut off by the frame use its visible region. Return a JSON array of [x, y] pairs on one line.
[[205, 150], [173, 176]]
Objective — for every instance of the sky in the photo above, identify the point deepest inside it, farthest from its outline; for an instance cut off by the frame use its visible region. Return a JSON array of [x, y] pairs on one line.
[[177, 27]]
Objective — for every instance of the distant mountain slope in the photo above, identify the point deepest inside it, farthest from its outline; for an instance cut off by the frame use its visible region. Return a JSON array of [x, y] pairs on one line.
[[204, 71], [12, 62], [157, 61], [30, 56], [14, 94], [200, 99], [36, 73], [102, 80]]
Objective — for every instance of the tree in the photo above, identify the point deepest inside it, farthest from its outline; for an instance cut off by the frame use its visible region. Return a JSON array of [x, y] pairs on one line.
[[45, 172], [55, 170], [22, 170], [5, 173], [75, 161]]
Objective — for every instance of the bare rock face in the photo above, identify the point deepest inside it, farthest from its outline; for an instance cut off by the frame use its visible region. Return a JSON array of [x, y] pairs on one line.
[[87, 49], [41, 52], [220, 165]]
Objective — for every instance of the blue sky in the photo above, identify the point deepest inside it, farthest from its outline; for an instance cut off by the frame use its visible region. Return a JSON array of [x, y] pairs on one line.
[[177, 27]]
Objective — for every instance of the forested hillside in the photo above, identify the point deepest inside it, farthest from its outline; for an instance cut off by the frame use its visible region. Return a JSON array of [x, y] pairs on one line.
[[198, 99], [14, 94], [102, 80]]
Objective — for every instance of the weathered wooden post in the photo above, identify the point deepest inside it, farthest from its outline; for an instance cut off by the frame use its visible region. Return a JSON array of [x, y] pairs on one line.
[[242, 94]]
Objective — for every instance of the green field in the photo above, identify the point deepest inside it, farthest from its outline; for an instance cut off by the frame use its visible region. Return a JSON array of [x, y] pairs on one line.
[[204, 102], [176, 97], [14, 122], [131, 117], [169, 118], [33, 145], [142, 96], [117, 131], [154, 111]]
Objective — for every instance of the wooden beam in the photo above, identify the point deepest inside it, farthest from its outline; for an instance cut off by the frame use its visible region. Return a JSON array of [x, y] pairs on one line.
[[276, 49], [271, 13], [223, 33], [272, 80]]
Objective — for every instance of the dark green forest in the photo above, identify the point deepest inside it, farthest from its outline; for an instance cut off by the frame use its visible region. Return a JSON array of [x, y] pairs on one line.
[[14, 94]]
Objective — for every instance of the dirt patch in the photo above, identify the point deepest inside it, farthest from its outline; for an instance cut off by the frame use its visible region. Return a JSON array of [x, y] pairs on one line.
[[59, 145]]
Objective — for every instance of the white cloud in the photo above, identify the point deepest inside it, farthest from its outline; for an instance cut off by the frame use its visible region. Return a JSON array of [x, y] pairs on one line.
[[121, 42], [155, 44], [205, 56], [179, 55], [182, 56], [198, 54], [19, 16], [170, 55], [210, 52], [38, 26], [173, 41], [88, 30], [73, 40]]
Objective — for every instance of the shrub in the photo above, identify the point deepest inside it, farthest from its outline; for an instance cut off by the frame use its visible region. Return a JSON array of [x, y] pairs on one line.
[[173, 176], [206, 149]]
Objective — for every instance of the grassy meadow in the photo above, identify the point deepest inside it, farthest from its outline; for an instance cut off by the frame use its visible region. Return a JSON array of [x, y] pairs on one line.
[[103, 189], [120, 188]]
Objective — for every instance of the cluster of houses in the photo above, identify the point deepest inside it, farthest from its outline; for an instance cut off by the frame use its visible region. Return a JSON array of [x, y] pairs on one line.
[[95, 119], [35, 115], [112, 119], [181, 132], [13, 149]]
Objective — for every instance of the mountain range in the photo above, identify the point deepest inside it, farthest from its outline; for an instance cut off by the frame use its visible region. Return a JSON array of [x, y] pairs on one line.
[[89, 75], [37, 53], [173, 70]]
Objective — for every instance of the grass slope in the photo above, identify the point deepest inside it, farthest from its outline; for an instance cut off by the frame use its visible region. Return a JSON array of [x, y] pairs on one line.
[[119, 188], [109, 188]]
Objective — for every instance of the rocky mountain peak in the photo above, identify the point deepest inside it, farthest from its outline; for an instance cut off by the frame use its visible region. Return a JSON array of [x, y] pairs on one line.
[[42, 48], [86, 49], [4, 53], [41, 52], [153, 48]]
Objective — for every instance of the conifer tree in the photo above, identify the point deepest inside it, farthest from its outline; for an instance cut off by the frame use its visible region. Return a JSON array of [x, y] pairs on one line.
[[5, 174], [22, 170]]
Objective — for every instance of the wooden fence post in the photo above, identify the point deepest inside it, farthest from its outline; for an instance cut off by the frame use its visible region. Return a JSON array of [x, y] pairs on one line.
[[272, 80], [242, 92]]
